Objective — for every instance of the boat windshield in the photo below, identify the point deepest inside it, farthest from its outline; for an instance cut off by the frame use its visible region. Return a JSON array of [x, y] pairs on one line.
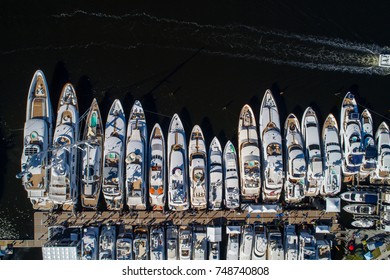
[[273, 149]]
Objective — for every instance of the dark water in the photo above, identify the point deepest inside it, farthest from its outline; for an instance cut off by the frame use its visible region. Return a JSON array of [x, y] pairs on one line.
[[202, 59]]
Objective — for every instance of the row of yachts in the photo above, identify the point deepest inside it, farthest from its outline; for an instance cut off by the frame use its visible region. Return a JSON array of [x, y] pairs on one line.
[[129, 168]]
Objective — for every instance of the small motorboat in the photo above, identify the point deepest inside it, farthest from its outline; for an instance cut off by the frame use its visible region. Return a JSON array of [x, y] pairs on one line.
[[361, 209], [362, 197], [363, 223]]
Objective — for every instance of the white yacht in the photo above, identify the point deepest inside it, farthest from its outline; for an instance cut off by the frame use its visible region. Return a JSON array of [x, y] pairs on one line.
[[382, 139], [362, 209], [157, 169], [37, 139], [230, 174], [172, 243], [350, 136], [249, 156], [214, 251], [275, 245], [185, 243], [141, 243], [214, 238], [216, 175], [136, 154], [333, 158], [198, 169], [290, 243], [362, 197], [323, 249], [295, 184], [272, 154], [363, 223], [114, 149], [307, 246], [157, 243], [260, 242], [63, 188], [233, 243], [384, 60], [124, 244], [107, 243], [178, 194], [90, 243], [91, 154], [199, 239], [246, 242], [370, 151], [315, 167]]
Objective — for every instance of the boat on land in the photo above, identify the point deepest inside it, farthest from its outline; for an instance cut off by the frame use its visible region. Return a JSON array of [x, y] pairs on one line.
[[114, 149], [260, 242], [333, 157], [216, 175], [382, 139], [199, 251], [107, 243], [295, 184], [275, 245], [124, 243], [246, 242], [141, 243], [230, 174], [361, 197], [172, 243], [384, 60], [136, 159], [233, 243], [307, 246], [198, 169], [185, 243], [370, 151], [157, 169], [271, 142], [63, 190], [157, 243], [178, 193], [362, 209], [91, 154], [290, 243], [363, 223], [38, 130], [90, 243], [311, 137]]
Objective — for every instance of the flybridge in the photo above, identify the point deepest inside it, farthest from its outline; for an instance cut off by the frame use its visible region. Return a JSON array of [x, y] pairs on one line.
[[384, 60]]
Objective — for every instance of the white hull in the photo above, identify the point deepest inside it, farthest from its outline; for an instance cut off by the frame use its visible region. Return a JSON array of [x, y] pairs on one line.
[[230, 172], [363, 223], [246, 243], [362, 209], [275, 246], [370, 151], [290, 243], [172, 243], [307, 246], [382, 139], [107, 243], [185, 243], [216, 175], [157, 243], [260, 243]]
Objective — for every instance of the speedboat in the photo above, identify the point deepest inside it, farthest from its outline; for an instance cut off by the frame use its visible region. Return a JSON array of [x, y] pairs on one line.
[[91, 154], [157, 243], [362, 209], [185, 243], [107, 243], [140, 243], [136, 164], [124, 244], [216, 175], [230, 173], [311, 137], [307, 246], [90, 245], [199, 243], [323, 250], [233, 243], [350, 136], [370, 150], [37, 139], [197, 169], [333, 158], [178, 195], [246, 242], [63, 188], [249, 156], [290, 243], [271, 142], [260, 242], [114, 149], [362, 197], [157, 187], [172, 243], [382, 138], [363, 223], [275, 245], [384, 60], [295, 184]]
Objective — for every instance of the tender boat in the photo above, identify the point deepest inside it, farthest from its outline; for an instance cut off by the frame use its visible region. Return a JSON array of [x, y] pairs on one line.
[[136, 164], [157, 243], [311, 137], [290, 243], [362, 197], [271, 142], [157, 171], [233, 243], [185, 243], [275, 245], [216, 175], [350, 136], [124, 244], [114, 149], [63, 188], [107, 243], [363, 223], [198, 169], [362, 209], [140, 243], [260, 242], [295, 184], [37, 139], [91, 154], [370, 150], [249, 156], [172, 243], [382, 138], [323, 250], [333, 157], [246, 242], [307, 246], [178, 194], [230, 173], [199, 243], [384, 60], [90, 245]]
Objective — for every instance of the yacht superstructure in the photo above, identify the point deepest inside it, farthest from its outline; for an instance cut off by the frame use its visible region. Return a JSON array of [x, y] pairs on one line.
[[90, 243], [246, 242], [124, 243], [141, 243], [233, 243], [216, 175], [362, 209], [382, 139], [370, 151], [199, 251], [157, 243], [290, 243], [107, 243], [358, 196], [172, 243], [307, 246], [230, 174], [260, 242], [185, 243], [275, 245]]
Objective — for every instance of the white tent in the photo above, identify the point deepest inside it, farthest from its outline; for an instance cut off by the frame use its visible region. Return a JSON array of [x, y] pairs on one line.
[[333, 204]]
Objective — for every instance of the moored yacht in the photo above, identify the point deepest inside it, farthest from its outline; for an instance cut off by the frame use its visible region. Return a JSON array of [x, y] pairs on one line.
[[198, 169], [275, 246], [230, 174], [91, 154], [294, 186], [172, 243], [157, 163], [362, 197], [246, 242], [323, 249], [382, 138], [362, 209], [214, 238], [260, 242], [199, 251], [114, 148], [90, 243], [185, 243], [157, 243], [307, 246], [363, 223], [178, 194], [124, 244], [333, 157], [370, 150], [141, 243], [271, 142], [233, 243], [290, 243], [107, 243], [136, 155], [216, 175], [311, 137], [249, 156]]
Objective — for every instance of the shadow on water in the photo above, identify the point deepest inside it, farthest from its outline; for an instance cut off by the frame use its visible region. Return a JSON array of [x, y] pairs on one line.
[[85, 94], [255, 105], [277, 93], [151, 112], [105, 104], [222, 138], [6, 142], [208, 130], [185, 117], [59, 79], [127, 103], [298, 112]]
